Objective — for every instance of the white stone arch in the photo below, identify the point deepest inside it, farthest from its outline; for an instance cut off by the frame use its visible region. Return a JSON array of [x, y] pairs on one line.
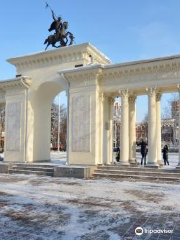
[[37, 82], [39, 120]]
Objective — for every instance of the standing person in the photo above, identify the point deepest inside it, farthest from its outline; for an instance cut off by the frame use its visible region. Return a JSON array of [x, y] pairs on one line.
[[118, 154], [165, 154], [143, 145]]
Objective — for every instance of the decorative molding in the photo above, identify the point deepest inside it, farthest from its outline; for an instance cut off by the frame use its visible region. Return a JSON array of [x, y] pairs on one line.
[[132, 98], [151, 91], [102, 97], [111, 101], [82, 77], [124, 93], [57, 56], [178, 88], [158, 96], [15, 83], [144, 71]]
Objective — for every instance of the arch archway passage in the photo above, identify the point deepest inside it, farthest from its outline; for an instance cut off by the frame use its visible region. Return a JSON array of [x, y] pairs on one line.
[[89, 86], [38, 136], [145, 77], [29, 97]]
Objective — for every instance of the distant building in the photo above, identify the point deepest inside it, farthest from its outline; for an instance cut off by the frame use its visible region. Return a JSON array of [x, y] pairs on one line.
[[169, 131], [141, 131], [174, 109], [116, 124], [169, 127]]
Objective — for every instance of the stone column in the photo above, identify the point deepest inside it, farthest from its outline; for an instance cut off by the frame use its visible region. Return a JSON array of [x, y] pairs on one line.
[[105, 129], [67, 138], [111, 131], [152, 138], [132, 129], [115, 133], [0, 127], [124, 133], [178, 86], [158, 127]]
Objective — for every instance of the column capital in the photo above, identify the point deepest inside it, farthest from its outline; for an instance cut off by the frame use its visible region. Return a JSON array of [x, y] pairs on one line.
[[158, 96], [151, 91], [111, 100], [124, 93], [178, 87], [102, 97], [132, 98]]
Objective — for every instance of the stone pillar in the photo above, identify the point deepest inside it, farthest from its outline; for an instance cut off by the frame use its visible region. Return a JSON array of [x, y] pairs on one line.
[[152, 137], [132, 129], [179, 125], [105, 129], [15, 125], [115, 133], [124, 132], [111, 131], [67, 138], [158, 127], [0, 127]]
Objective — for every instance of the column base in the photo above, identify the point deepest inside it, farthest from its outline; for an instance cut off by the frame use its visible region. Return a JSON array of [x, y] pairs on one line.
[[160, 162], [124, 163], [133, 162], [152, 165]]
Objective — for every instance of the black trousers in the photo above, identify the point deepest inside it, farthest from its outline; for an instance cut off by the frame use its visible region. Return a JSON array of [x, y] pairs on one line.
[[143, 158], [166, 161]]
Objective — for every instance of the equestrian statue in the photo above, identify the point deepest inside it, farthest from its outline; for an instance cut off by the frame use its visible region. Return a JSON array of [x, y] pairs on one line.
[[61, 35]]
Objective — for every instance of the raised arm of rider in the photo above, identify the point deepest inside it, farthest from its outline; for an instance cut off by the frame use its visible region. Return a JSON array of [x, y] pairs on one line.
[[53, 15]]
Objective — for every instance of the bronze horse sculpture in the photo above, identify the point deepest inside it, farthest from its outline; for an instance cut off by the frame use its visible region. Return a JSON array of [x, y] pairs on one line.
[[61, 35]]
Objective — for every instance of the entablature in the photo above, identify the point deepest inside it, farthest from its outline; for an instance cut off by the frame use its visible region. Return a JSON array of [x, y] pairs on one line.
[[58, 56], [137, 76], [19, 82]]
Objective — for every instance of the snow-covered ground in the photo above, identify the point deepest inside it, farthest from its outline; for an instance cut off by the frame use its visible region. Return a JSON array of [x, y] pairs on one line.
[[173, 160], [45, 208], [58, 158], [61, 158]]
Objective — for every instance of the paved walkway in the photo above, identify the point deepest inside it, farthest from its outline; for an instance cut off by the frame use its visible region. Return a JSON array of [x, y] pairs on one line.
[[45, 208]]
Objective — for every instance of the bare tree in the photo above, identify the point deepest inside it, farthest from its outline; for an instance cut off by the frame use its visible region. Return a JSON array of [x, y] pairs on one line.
[[171, 110], [145, 122], [2, 126], [54, 125]]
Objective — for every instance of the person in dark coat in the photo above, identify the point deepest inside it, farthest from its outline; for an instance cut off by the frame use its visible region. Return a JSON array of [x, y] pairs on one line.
[[165, 154], [118, 154], [144, 151]]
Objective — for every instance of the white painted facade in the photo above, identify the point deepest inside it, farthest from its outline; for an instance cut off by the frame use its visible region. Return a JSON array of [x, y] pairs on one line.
[[91, 88]]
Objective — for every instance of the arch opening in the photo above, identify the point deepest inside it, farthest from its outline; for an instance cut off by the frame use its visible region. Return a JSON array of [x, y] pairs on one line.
[[39, 129]]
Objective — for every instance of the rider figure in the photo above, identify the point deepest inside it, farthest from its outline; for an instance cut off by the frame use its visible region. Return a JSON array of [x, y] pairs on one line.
[[60, 33], [56, 24]]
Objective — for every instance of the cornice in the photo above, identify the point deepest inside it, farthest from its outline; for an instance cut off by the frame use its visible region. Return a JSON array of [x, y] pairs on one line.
[[58, 56], [84, 73], [122, 71], [166, 71], [98, 57], [23, 82]]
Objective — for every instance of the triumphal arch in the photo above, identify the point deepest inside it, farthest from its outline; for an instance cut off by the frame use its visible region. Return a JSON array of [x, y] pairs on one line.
[[91, 83]]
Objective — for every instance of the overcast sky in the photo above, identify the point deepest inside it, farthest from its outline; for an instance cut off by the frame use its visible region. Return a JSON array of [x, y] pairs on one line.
[[122, 30]]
